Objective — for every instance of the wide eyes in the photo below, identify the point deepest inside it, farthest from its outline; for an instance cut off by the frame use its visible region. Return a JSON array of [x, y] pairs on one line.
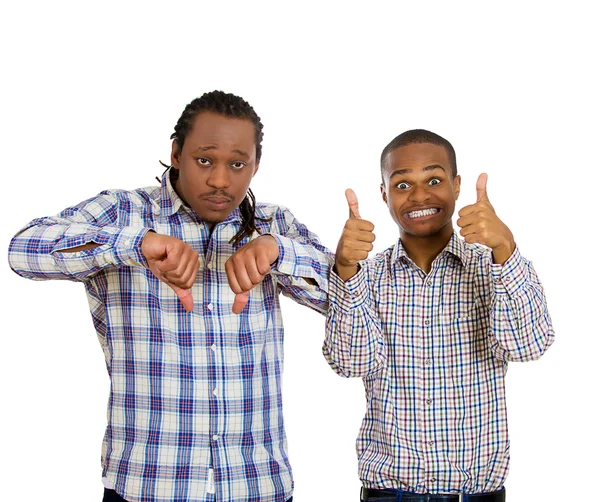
[[403, 185]]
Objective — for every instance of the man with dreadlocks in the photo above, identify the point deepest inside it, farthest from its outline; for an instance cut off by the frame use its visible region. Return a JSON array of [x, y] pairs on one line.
[[193, 349]]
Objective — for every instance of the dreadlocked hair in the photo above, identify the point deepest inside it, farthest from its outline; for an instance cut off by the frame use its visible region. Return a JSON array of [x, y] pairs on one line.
[[228, 105]]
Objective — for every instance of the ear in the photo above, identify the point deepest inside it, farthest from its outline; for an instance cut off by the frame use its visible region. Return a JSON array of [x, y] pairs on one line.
[[383, 194], [175, 153], [456, 186]]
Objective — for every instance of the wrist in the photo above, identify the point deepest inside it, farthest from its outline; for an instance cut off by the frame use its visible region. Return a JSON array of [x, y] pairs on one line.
[[272, 247], [503, 252], [345, 272]]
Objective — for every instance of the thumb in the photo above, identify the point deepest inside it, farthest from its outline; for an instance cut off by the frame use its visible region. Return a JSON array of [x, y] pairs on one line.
[[240, 302], [185, 297], [352, 204], [482, 187]]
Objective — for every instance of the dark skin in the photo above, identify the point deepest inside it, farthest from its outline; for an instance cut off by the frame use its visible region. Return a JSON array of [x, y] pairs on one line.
[[420, 191], [216, 165], [418, 177]]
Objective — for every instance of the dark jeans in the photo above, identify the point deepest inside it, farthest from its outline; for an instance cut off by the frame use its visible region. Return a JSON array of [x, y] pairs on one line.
[[395, 496], [113, 496]]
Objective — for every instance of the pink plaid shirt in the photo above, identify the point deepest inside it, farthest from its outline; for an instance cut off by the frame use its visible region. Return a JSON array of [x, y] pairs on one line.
[[433, 351]]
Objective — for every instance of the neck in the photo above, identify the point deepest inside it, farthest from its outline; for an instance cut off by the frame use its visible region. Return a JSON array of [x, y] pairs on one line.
[[423, 250]]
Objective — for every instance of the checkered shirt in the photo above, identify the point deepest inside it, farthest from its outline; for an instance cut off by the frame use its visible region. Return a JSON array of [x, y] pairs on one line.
[[189, 391], [433, 350]]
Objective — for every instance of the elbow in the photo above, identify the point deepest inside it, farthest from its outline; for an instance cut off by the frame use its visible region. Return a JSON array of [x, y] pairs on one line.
[[349, 369], [532, 351]]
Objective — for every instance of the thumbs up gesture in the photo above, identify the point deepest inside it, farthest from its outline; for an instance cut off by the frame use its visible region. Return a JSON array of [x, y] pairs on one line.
[[479, 224], [356, 240]]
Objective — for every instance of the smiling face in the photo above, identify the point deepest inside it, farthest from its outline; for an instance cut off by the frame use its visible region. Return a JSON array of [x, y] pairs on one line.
[[216, 164], [419, 189]]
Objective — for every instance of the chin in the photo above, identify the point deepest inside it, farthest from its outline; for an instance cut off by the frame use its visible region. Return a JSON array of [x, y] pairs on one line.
[[422, 232]]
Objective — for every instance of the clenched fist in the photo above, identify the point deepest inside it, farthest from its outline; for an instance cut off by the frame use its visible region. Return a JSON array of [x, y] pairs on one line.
[[248, 266], [479, 224], [173, 262], [356, 240]]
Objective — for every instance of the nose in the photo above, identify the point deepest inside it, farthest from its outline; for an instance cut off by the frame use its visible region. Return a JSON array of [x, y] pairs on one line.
[[219, 177], [419, 194]]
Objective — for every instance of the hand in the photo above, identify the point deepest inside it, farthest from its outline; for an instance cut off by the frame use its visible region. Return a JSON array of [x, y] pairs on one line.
[[356, 240], [479, 224], [248, 266], [173, 262]]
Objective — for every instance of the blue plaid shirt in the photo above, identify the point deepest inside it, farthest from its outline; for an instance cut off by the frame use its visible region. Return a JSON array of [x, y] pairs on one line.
[[433, 351], [194, 394]]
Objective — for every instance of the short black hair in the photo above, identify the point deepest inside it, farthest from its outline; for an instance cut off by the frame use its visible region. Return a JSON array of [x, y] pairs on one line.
[[420, 136]]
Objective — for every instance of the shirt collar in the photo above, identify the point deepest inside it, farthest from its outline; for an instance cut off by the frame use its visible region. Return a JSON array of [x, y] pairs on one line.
[[455, 247], [171, 203]]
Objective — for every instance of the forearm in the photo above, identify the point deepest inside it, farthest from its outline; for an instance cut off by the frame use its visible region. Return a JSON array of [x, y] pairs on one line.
[[53, 248], [84, 247], [520, 325], [354, 345], [302, 271]]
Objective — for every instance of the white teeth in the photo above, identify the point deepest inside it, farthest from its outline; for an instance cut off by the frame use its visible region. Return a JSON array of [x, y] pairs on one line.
[[423, 212]]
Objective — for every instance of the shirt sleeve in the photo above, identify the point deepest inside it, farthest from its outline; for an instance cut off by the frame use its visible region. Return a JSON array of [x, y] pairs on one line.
[[303, 265], [354, 345], [520, 325], [36, 251]]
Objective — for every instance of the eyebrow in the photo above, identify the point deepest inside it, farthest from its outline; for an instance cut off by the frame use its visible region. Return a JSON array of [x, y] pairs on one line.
[[212, 147], [427, 168]]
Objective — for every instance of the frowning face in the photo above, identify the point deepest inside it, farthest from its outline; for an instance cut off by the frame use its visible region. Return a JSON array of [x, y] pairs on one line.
[[216, 164]]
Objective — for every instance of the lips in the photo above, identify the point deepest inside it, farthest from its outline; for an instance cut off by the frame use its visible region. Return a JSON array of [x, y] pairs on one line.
[[217, 203], [419, 214]]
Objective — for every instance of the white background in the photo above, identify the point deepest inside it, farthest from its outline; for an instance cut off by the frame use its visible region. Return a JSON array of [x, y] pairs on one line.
[[91, 92]]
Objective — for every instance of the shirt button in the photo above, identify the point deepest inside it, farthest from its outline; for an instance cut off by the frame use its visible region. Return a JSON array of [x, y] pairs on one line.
[[215, 437], [210, 306], [430, 443], [428, 362], [433, 480], [428, 401], [213, 347], [429, 282], [426, 322], [215, 392]]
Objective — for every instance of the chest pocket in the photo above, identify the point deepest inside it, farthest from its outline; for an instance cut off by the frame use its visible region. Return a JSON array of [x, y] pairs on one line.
[[464, 346], [465, 323]]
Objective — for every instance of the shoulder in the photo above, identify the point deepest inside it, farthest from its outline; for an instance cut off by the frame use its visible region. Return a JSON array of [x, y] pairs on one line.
[[138, 197], [268, 210], [139, 200], [108, 204], [274, 216]]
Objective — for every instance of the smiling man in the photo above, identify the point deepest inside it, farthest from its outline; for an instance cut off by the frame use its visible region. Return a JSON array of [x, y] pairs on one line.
[[430, 324], [195, 408]]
